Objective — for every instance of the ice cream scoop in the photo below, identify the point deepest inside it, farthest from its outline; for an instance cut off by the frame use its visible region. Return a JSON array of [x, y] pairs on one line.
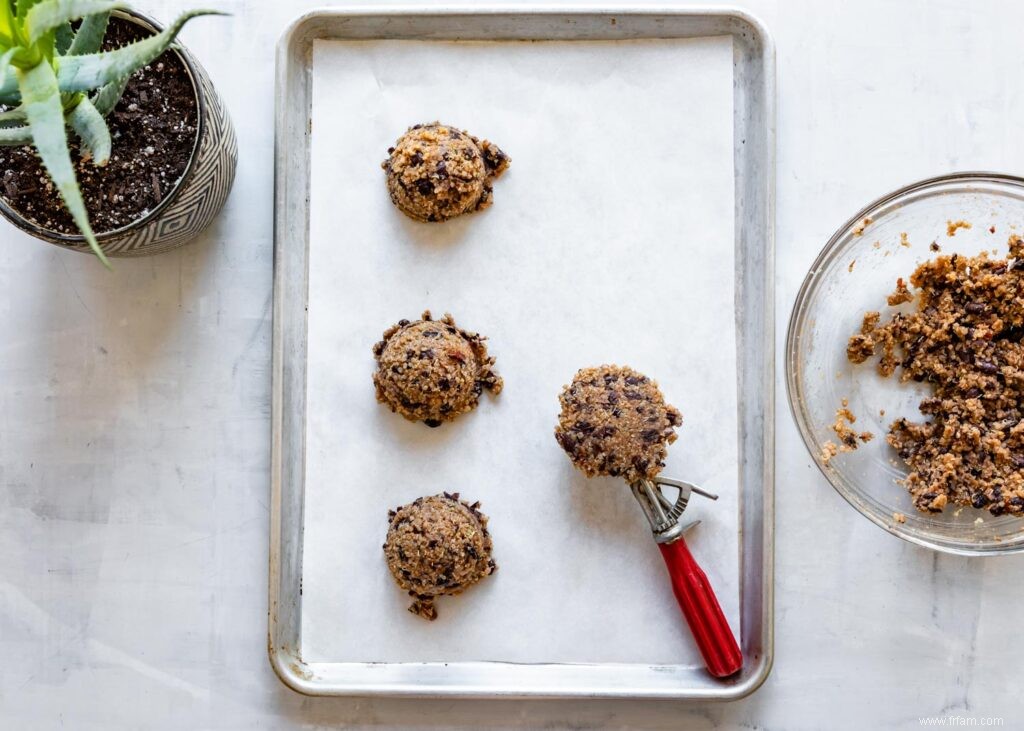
[[615, 422]]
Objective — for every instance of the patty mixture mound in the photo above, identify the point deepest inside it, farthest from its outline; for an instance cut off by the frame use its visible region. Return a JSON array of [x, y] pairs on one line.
[[436, 172], [435, 546], [615, 422], [963, 338], [432, 370]]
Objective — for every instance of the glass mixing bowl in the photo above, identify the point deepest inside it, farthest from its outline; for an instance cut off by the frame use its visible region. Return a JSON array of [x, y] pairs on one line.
[[854, 273]]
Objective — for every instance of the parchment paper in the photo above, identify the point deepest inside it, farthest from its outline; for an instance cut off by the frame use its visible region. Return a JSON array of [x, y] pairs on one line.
[[611, 240]]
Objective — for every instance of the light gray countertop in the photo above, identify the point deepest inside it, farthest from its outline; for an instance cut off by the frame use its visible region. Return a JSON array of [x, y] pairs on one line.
[[134, 430]]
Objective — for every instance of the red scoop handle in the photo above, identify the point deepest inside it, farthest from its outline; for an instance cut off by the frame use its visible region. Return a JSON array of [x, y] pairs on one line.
[[702, 611]]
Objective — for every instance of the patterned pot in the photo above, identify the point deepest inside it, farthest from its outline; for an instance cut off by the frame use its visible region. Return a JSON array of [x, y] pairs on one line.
[[196, 199]]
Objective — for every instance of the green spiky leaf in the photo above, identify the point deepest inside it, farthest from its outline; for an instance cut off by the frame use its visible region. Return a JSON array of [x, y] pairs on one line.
[[11, 96], [41, 99], [7, 32], [15, 136], [5, 60], [64, 36], [23, 6], [89, 36], [45, 45], [9, 85], [109, 95], [48, 15], [13, 117], [92, 130], [90, 71]]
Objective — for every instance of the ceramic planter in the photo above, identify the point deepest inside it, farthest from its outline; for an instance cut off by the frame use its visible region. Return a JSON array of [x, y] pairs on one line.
[[194, 201]]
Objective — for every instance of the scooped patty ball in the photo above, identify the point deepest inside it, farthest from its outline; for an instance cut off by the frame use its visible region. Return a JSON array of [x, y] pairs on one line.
[[435, 546], [432, 370], [436, 172]]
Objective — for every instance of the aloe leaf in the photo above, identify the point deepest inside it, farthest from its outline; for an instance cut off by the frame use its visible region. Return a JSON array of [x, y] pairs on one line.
[[8, 82], [45, 45], [81, 73], [12, 116], [90, 34], [92, 130], [64, 36], [50, 14], [109, 95], [23, 6], [15, 136], [41, 98], [5, 60], [6, 23]]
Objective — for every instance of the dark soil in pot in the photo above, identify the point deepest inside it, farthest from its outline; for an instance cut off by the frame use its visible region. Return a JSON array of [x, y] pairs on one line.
[[153, 129]]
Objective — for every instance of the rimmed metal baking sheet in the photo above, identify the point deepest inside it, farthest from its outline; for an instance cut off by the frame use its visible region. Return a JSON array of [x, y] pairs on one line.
[[752, 203]]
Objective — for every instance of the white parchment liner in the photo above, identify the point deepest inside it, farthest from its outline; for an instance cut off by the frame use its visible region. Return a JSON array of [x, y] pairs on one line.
[[611, 240]]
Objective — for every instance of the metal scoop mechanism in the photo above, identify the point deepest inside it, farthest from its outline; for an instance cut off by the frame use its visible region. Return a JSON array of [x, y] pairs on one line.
[[664, 514]]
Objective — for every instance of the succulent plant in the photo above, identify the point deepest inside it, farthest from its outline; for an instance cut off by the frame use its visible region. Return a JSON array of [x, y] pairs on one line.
[[53, 77]]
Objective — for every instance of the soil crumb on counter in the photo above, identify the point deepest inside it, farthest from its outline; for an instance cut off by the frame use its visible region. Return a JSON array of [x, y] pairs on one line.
[[432, 370], [964, 340], [437, 546], [615, 422], [153, 130]]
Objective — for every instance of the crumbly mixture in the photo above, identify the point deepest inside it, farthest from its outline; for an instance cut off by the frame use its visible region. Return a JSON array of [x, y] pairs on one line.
[[847, 436], [828, 451], [858, 230], [860, 347], [435, 546], [964, 338], [952, 226], [615, 422], [901, 295], [904, 240], [436, 172], [432, 370]]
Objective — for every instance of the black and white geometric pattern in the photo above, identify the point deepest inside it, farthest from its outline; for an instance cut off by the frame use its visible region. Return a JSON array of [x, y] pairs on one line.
[[204, 187]]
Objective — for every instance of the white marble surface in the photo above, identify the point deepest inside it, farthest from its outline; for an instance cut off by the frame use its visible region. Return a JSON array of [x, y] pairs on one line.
[[134, 429]]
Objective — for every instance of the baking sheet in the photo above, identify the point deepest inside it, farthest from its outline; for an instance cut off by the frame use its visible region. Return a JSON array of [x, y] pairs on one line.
[[611, 240]]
